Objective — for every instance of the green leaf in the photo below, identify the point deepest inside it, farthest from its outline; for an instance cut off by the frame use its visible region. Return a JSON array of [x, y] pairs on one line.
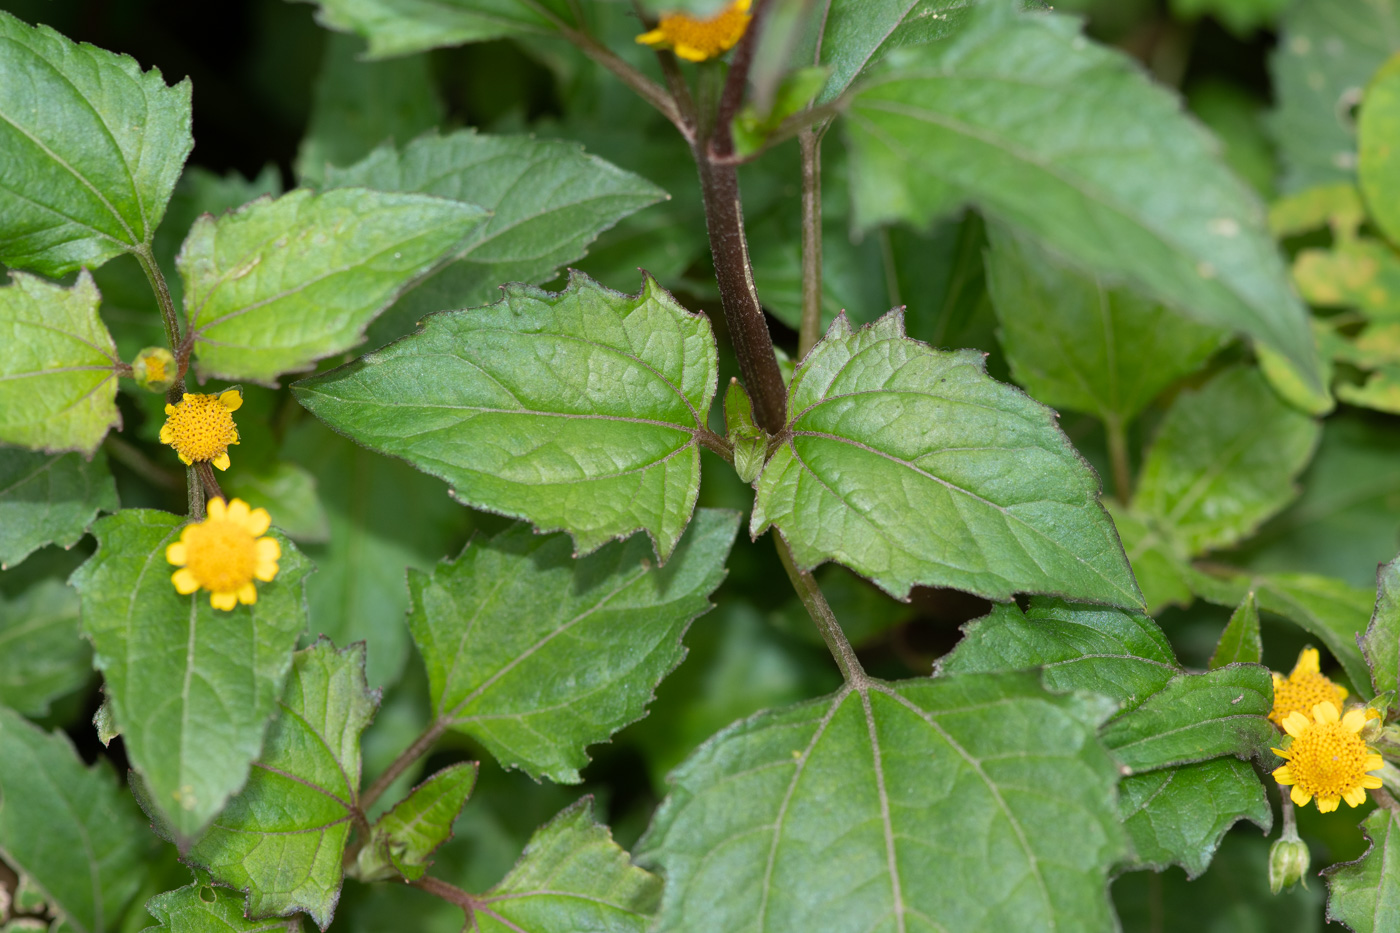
[[90, 148], [1381, 643], [1240, 642], [1224, 460], [1118, 654], [58, 365], [279, 284], [398, 27], [1241, 16], [1067, 141], [1343, 524], [402, 839], [361, 104], [190, 687], [1365, 894], [1075, 343], [281, 840], [1159, 562], [42, 656], [1378, 164], [1196, 717], [384, 517], [601, 442], [49, 499], [1179, 815], [853, 35], [288, 492], [1325, 54], [537, 655], [1334, 611], [70, 830], [1235, 115], [549, 200], [200, 908], [572, 876], [871, 462], [752, 837]]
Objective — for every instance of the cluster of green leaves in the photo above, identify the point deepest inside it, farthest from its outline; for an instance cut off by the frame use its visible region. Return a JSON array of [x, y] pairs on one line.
[[1131, 275]]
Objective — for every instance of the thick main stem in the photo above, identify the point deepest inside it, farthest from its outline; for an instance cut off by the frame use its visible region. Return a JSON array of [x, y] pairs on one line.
[[753, 345], [811, 144], [820, 611]]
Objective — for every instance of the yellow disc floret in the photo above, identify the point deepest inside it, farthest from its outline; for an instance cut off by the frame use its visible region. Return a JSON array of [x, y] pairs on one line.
[[201, 427], [1303, 689], [224, 554], [1327, 758], [696, 40]]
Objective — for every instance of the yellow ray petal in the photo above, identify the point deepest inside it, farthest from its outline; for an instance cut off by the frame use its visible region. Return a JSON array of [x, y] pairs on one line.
[[184, 580], [177, 555], [1373, 762], [258, 522], [167, 434], [1283, 775], [222, 461], [238, 512], [248, 594], [1326, 711], [1371, 782], [1300, 797], [1355, 797], [1327, 804], [1354, 719], [224, 601], [218, 509], [1308, 663], [1295, 724], [232, 399]]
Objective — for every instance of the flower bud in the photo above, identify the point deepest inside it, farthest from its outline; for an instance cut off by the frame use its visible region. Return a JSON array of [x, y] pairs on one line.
[[154, 369], [1288, 863]]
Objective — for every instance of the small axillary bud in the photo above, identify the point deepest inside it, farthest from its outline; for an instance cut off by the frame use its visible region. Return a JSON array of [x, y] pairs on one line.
[[750, 442], [154, 369]]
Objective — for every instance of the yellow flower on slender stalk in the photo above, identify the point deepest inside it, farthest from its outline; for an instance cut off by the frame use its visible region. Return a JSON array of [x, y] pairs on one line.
[[1327, 758], [201, 427], [1303, 689], [224, 554], [697, 40]]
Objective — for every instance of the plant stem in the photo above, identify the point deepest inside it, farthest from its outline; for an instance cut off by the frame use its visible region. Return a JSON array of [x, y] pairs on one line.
[[210, 483], [820, 611], [811, 144], [167, 305], [399, 765], [1118, 457], [1290, 820], [450, 893], [133, 459], [194, 489]]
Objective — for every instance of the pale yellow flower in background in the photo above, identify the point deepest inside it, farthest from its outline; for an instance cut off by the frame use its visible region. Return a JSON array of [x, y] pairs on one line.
[[224, 554], [1304, 688], [697, 40], [1327, 758], [201, 427]]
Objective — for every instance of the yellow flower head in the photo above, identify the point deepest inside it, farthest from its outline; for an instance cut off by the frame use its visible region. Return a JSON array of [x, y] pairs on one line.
[[224, 555], [201, 427], [1303, 689], [1327, 759], [696, 40]]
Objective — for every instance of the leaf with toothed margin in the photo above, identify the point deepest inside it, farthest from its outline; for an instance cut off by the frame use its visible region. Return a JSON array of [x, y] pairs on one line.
[[58, 366], [571, 877], [1365, 893], [853, 813], [537, 655], [282, 839], [200, 908], [280, 283], [69, 830], [49, 499], [1381, 643], [1021, 116], [912, 466], [581, 410], [90, 149], [189, 687], [402, 839], [1179, 815]]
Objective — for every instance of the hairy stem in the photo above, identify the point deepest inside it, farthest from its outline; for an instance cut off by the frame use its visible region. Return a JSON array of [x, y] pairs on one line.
[[450, 893], [194, 489], [820, 611], [399, 765], [811, 144], [1118, 456], [208, 480]]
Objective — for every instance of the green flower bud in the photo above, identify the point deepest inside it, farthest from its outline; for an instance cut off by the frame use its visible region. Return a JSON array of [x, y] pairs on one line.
[[749, 440], [154, 369], [1288, 863]]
